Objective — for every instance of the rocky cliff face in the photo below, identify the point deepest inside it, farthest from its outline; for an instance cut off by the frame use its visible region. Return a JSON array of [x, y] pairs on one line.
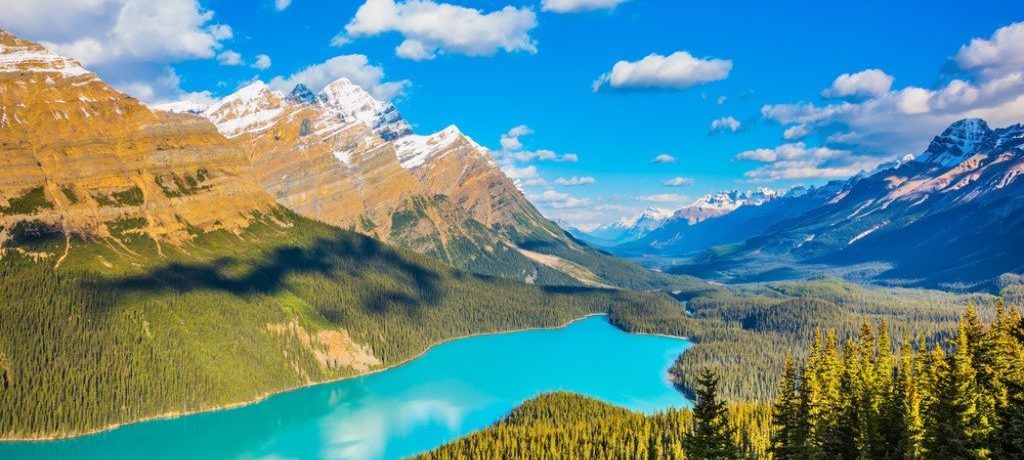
[[77, 155]]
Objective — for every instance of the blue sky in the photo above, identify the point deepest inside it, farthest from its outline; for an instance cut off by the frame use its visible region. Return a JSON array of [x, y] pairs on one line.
[[536, 65]]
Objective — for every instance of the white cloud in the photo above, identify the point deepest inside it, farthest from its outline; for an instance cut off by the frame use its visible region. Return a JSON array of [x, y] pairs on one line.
[[512, 148], [796, 132], [510, 140], [229, 57], [575, 181], [678, 70], [722, 100], [355, 67], [904, 120], [871, 82], [664, 158], [725, 124], [557, 200], [664, 198], [798, 161], [1002, 52], [574, 6], [280, 5], [429, 28], [129, 43], [678, 182], [262, 62]]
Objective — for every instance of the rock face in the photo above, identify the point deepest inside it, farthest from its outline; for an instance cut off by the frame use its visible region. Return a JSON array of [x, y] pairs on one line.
[[79, 155]]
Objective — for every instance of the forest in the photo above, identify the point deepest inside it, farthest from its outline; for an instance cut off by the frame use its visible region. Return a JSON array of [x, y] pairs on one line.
[[868, 396], [127, 328]]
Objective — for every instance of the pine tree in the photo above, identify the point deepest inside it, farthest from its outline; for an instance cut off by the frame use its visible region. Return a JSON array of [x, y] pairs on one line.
[[789, 441], [954, 428], [711, 437]]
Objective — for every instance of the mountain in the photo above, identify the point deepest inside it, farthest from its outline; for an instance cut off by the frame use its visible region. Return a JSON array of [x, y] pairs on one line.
[[949, 217], [145, 271], [81, 158], [626, 229], [721, 203], [344, 158], [725, 217]]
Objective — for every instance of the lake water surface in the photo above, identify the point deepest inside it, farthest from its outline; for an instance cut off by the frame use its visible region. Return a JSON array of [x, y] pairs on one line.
[[453, 389]]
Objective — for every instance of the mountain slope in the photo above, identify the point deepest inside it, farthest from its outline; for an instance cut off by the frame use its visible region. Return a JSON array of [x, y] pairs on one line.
[[144, 271], [344, 158], [951, 217]]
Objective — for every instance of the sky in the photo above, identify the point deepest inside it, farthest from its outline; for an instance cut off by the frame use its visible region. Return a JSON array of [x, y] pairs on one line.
[[597, 108]]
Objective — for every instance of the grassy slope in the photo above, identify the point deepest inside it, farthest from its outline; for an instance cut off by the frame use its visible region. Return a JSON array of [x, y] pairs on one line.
[[118, 332]]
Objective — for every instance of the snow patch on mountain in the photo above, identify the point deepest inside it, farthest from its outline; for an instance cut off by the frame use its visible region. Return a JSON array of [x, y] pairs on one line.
[[416, 150]]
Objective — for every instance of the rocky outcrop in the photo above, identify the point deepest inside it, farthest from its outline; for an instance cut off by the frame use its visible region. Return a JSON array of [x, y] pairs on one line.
[[79, 155]]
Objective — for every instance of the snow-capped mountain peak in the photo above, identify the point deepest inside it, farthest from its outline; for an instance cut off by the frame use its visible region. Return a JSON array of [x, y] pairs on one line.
[[250, 109], [17, 55], [355, 104], [959, 141], [302, 95], [415, 150]]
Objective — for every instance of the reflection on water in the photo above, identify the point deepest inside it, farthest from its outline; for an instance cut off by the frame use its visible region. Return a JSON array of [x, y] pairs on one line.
[[455, 388]]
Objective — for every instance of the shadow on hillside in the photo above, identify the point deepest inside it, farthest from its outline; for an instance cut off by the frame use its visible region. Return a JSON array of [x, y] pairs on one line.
[[378, 276]]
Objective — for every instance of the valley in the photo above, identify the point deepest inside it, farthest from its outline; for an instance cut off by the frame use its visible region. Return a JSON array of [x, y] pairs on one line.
[[209, 253]]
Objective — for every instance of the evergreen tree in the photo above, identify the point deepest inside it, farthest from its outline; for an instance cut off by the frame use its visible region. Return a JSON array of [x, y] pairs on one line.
[[790, 436], [954, 427], [711, 437]]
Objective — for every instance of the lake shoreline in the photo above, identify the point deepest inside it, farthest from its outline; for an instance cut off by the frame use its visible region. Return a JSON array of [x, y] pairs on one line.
[[265, 396]]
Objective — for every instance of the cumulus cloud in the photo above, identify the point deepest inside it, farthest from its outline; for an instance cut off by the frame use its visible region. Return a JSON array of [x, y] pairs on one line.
[[574, 6], [429, 28], [262, 62], [675, 71], [523, 176], [556, 200], [512, 148], [280, 5], [230, 58], [130, 43], [355, 67], [798, 161], [510, 140], [1003, 52], [796, 132], [678, 182], [575, 181], [905, 119], [664, 198], [664, 158], [871, 82], [724, 124]]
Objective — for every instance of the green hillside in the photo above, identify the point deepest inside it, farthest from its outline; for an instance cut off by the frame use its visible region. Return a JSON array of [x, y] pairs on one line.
[[126, 328]]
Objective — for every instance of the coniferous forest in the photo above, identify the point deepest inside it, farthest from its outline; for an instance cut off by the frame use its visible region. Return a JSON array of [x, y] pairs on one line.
[[871, 396]]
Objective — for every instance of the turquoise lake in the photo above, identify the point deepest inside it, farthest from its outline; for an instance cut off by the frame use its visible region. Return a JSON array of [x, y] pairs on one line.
[[455, 388]]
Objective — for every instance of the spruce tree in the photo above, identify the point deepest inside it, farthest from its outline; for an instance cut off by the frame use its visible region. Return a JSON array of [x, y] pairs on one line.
[[711, 437], [790, 435], [954, 428]]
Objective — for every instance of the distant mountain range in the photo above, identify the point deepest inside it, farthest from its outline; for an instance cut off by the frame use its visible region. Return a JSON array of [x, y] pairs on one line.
[[950, 217], [669, 224]]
